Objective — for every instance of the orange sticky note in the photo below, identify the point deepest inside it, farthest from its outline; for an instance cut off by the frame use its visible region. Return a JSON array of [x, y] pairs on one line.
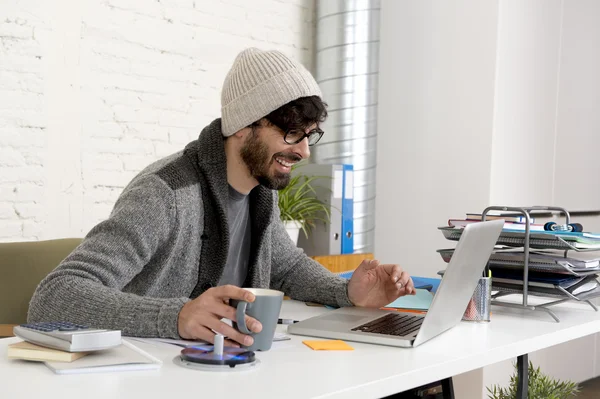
[[335, 345]]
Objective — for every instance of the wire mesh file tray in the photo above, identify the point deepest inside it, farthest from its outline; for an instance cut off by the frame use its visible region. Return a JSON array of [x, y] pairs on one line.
[[582, 283], [513, 261]]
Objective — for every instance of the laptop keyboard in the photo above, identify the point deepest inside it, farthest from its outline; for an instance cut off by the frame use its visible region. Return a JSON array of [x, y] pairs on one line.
[[397, 324]]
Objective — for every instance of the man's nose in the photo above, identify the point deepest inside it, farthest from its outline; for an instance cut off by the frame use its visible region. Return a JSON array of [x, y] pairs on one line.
[[302, 148]]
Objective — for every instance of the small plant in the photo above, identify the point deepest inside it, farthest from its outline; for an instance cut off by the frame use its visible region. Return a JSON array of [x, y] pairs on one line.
[[540, 387], [298, 202]]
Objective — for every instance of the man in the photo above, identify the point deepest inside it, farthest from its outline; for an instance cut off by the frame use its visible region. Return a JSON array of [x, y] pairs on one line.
[[193, 228]]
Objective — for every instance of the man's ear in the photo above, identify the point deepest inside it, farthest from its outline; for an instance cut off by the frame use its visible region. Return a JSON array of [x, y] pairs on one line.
[[242, 133]]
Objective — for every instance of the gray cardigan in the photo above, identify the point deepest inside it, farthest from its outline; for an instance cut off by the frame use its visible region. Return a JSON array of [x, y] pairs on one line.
[[166, 241]]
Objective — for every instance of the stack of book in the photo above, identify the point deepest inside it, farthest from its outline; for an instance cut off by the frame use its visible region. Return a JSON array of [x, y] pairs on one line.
[[513, 236], [126, 356], [511, 221], [28, 351]]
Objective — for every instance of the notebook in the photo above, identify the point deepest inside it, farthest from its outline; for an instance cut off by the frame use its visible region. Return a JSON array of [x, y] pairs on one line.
[[420, 301], [125, 357], [28, 351]]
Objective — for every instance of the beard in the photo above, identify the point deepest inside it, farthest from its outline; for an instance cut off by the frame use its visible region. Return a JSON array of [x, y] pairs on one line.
[[255, 155]]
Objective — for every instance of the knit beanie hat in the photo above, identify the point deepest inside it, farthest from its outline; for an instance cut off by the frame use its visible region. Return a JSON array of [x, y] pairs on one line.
[[258, 83]]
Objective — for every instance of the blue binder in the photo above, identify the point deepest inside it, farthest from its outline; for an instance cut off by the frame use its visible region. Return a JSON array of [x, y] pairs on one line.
[[335, 187], [348, 210]]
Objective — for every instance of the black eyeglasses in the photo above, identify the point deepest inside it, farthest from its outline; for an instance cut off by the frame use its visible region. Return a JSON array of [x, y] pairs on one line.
[[296, 136]]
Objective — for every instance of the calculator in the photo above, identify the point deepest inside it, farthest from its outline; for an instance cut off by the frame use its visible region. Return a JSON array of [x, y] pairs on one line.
[[69, 337]]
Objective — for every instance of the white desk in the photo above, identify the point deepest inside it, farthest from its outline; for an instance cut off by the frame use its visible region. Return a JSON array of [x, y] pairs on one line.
[[292, 370]]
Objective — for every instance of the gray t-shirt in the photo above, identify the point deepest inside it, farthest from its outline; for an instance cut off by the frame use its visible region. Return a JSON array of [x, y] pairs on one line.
[[238, 219]]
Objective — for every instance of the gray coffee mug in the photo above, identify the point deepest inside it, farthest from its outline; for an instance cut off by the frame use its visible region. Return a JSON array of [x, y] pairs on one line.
[[265, 308]]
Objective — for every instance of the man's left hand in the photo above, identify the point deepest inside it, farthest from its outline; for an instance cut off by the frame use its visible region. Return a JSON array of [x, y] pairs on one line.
[[373, 285]]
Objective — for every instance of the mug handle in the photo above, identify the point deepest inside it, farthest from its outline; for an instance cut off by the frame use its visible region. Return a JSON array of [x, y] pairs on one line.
[[240, 316]]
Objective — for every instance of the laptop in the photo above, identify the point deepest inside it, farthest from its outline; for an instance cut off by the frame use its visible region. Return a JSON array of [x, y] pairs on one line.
[[402, 329]]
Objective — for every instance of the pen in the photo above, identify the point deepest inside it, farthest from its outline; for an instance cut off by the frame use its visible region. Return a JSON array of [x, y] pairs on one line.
[[286, 321]]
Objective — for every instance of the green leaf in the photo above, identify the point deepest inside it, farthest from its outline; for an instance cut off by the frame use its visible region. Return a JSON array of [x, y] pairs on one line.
[[540, 386], [298, 201]]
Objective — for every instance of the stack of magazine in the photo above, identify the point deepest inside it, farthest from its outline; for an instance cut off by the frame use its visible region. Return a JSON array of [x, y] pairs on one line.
[[561, 264]]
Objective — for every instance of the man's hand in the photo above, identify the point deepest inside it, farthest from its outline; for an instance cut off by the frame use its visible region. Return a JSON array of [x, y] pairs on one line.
[[373, 285], [200, 318]]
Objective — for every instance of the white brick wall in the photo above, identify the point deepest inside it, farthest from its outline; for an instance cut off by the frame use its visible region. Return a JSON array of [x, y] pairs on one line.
[[22, 122], [92, 92]]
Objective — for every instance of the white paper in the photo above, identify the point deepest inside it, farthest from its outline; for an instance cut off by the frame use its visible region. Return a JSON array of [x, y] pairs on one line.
[[122, 358], [338, 183], [349, 192], [167, 341], [279, 336], [282, 345]]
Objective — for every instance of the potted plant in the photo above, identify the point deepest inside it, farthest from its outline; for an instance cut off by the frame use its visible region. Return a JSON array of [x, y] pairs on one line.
[[540, 387], [299, 206]]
